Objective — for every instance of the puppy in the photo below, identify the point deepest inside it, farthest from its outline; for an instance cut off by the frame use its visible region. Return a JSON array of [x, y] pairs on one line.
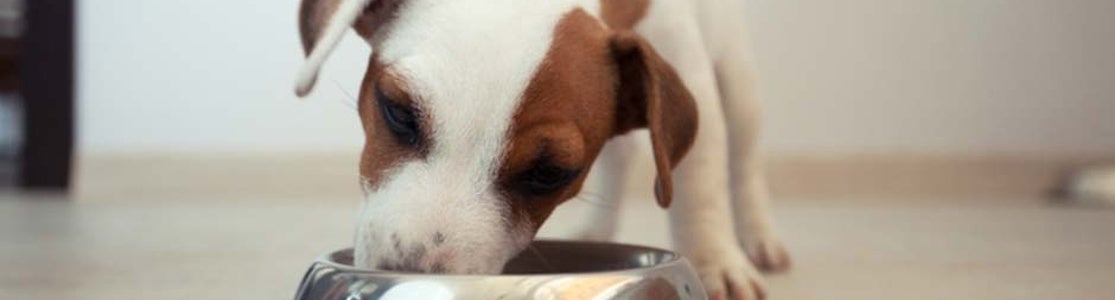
[[481, 116]]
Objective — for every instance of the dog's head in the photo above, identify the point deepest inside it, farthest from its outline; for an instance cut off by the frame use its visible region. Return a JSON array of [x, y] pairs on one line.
[[480, 117]]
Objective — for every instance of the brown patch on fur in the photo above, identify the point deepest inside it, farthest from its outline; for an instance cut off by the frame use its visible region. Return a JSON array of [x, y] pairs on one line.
[[381, 150], [623, 14], [376, 17], [652, 95], [314, 16], [566, 112], [595, 84]]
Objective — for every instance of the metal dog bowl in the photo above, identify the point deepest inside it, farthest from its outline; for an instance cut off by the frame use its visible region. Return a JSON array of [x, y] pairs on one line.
[[547, 270]]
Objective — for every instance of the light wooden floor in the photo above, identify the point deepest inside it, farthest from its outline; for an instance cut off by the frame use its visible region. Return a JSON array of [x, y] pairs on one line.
[[156, 229], [251, 248]]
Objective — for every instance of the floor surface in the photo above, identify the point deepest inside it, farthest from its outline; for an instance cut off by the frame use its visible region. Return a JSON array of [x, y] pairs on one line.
[[259, 248]]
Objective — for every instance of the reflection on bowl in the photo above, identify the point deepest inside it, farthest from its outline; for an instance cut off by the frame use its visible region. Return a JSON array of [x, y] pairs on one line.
[[546, 270]]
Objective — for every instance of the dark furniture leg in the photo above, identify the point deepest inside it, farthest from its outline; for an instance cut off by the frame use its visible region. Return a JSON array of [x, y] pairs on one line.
[[47, 84]]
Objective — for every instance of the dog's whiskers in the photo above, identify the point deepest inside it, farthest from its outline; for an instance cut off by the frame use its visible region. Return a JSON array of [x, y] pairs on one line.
[[351, 104]]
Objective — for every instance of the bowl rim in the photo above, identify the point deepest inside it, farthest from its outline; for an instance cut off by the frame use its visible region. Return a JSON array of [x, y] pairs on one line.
[[673, 259]]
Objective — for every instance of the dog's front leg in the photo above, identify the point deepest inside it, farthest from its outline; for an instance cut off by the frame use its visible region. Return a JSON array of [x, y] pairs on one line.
[[700, 217], [701, 221], [751, 199]]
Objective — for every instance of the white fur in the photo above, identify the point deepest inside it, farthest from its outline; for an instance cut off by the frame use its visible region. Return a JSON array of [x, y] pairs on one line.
[[703, 41], [701, 220], [466, 63]]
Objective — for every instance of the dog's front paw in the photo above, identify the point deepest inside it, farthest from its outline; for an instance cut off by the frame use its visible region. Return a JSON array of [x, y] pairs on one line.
[[727, 275], [767, 252]]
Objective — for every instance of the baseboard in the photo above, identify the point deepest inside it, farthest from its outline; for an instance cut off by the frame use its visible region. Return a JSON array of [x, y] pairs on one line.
[[326, 177], [334, 177], [1025, 177]]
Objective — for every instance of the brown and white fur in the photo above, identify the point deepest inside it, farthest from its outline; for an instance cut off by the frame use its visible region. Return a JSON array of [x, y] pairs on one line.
[[481, 116]]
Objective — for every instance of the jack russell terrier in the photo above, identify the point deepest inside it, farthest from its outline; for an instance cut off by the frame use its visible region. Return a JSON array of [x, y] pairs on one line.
[[481, 116]]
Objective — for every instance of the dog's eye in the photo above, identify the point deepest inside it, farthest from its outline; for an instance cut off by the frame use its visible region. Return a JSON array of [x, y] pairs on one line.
[[544, 179], [401, 119]]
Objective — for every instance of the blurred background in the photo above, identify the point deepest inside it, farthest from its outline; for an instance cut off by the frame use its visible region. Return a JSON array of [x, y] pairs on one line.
[[169, 131], [953, 81]]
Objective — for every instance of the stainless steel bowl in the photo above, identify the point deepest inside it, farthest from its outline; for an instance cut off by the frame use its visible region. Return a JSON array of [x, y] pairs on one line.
[[547, 270]]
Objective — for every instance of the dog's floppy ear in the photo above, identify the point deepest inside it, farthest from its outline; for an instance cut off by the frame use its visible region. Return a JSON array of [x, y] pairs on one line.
[[322, 24], [650, 94]]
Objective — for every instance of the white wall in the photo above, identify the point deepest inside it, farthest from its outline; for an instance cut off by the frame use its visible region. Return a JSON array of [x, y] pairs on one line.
[[207, 75], [937, 76], [839, 77]]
